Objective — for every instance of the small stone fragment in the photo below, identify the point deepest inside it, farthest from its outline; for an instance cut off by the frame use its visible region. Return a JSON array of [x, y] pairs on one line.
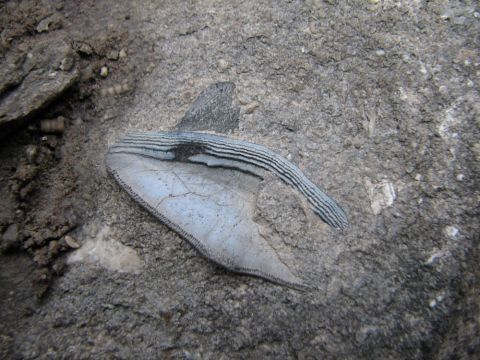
[[31, 151], [67, 63], [108, 252], [51, 22], [313, 27], [122, 54], [85, 49], [59, 5], [104, 71], [357, 142], [222, 65], [53, 248], [70, 241], [10, 237], [451, 231], [41, 82], [53, 125], [112, 55], [250, 108], [382, 195]]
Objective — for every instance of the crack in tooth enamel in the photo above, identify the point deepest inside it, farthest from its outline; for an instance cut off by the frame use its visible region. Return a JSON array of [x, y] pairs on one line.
[[165, 143]]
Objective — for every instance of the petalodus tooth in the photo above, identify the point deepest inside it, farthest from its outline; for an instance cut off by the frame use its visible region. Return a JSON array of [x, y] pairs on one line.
[[213, 206]]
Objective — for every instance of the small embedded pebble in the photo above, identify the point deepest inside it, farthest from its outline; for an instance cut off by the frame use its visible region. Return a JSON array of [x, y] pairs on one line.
[[85, 49], [52, 22], [10, 236], [104, 71], [250, 108], [451, 231], [418, 177], [222, 65], [380, 52], [357, 142], [31, 151], [53, 248], [53, 125], [112, 55], [313, 28], [70, 241], [460, 177], [122, 54], [443, 90], [67, 63]]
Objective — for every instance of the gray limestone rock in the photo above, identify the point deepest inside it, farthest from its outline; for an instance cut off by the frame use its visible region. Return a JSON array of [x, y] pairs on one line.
[[30, 80]]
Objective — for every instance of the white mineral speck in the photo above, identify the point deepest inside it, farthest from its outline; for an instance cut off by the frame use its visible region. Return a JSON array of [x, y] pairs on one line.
[[451, 231], [104, 71], [102, 249], [460, 177], [382, 195], [434, 302], [250, 108], [222, 65], [433, 257]]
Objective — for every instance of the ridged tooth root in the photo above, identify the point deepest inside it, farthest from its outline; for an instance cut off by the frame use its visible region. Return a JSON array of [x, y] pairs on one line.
[[215, 150]]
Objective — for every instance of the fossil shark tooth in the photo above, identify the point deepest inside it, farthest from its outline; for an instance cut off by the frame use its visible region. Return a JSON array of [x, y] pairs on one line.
[[190, 181], [211, 208]]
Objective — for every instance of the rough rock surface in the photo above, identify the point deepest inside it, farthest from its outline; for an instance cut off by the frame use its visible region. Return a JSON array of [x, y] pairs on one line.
[[376, 101], [31, 79]]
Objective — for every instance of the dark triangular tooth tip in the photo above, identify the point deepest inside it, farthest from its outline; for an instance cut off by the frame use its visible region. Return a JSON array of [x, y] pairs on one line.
[[213, 110]]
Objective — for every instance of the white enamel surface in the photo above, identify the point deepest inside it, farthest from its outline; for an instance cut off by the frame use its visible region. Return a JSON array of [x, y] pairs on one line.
[[215, 206]]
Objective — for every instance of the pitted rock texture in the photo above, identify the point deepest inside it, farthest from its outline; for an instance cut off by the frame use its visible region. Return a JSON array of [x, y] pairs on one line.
[[31, 79], [370, 99]]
